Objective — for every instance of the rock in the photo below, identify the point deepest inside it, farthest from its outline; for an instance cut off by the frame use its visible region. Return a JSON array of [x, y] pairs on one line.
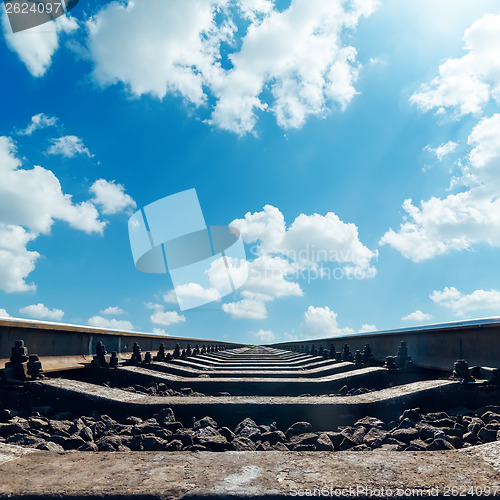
[[248, 422], [273, 437], [57, 439], [197, 447], [227, 433], [280, 447], [304, 447], [405, 435], [209, 437], [343, 391], [59, 425], [164, 416], [475, 425], [375, 437], [487, 408], [252, 433], [10, 429], [148, 442], [427, 431], [307, 438], [6, 415], [392, 425], [263, 446], [390, 447], [131, 420], [439, 444], [490, 416], [50, 446], [205, 422], [73, 443], [174, 445], [243, 444], [76, 426], [172, 426], [412, 414], [324, 443], [106, 442], [370, 422], [443, 422], [345, 444], [470, 437], [38, 423], [361, 447], [184, 438], [355, 434], [487, 435], [493, 426], [88, 447], [436, 416], [336, 438], [298, 428], [98, 429], [25, 440], [418, 444], [456, 441], [86, 434], [406, 423]]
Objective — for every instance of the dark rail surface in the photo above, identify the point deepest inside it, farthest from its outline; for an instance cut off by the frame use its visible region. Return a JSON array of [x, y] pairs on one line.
[[433, 346], [62, 346]]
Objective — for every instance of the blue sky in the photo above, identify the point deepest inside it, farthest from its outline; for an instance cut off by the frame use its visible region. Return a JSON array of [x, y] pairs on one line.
[[306, 124]]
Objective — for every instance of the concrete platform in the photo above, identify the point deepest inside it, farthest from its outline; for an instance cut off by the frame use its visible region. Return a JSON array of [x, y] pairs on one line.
[[176, 475]]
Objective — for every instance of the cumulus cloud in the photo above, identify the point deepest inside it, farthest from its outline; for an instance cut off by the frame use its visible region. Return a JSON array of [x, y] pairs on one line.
[[68, 146], [418, 316], [4, 314], [294, 57], [39, 121], [322, 322], [113, 324], [39, 311], [467, 84], [31, 200], [312, 247], [113, 310], [160, 331], [164, 318], [265, 335], [458, 221], [111, 197], [367, 328], [246, 308], [461, 304], [36, 46], [443, 150]]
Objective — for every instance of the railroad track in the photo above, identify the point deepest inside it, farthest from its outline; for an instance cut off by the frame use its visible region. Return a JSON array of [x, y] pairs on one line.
[[355, 413]]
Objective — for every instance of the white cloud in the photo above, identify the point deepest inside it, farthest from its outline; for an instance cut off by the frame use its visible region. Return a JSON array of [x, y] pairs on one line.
[[39, 121], [39, 311], [462, 304], [36, 46], [34, 198], [461, 220], [246, 308], [312, 247], [31, 200], [322, 322], [16, 261], [114, 324], [190, 290], [265, 335], [68, 146], [367, 328], [160, 331], [113, 310], [417, 316], [443, 150], [467, 84], [295, 57], [4, 313], [170, 297], [111, 197], [164, 318]]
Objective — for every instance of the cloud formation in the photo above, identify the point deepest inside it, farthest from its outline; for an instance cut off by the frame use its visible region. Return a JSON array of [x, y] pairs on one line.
[[321, 322], [418, 316], [290, 62], [462, 304], [68, 146], [112, 324], [39, 311]]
